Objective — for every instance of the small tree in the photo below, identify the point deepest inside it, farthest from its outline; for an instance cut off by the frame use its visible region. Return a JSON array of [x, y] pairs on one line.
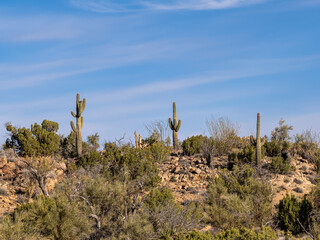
[[39, 140], [281, 133], [93, 140]]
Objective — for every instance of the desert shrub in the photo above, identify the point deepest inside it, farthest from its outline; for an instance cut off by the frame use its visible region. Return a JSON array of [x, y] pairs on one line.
[[273, 148], [158, 197], [67, 147], [280, 140], [93, 141], [281, 164], [247, 155], [160, 129], [208, 149], [315, 214], [153, 138], [39, 140], [224, 135], [266, 233], [51, 218], [168, 217], [136, 227], [16, 230], [127, 164], [192, 145], [281, 133], [238, 198], [195, 235], [89, 159], [294, 216], [305, 145], [158, 151], [112, 201]]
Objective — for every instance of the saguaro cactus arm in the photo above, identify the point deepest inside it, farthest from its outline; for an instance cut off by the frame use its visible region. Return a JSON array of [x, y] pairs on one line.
[[73, 126]]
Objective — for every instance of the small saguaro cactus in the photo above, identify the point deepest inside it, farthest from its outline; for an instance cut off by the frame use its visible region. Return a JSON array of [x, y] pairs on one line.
[[174, 127], [258, 142], [80, 106], [137, 140]]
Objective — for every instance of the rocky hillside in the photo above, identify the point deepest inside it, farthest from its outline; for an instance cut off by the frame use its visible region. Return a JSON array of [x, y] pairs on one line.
[[187, 176]]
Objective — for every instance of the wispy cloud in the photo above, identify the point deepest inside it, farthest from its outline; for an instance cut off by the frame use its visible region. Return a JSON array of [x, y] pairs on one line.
[[168, 5], [14, 76], [39, 28]]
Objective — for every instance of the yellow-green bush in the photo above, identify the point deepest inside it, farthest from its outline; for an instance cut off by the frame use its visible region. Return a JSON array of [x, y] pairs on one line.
[[238, 198]]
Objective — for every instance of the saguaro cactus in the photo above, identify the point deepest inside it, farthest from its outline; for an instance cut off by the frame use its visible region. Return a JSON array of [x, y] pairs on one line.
[[258, 142], [174, 127], [137, 140], [80, 106]]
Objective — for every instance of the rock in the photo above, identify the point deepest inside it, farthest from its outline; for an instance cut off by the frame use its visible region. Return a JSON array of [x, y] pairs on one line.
[[176, 169], [9, 170], [3, 160], [195, 170], [298, 190]]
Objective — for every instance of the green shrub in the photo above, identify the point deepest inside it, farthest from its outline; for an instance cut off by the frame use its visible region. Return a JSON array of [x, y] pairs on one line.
[[159, 152], [306, 145], [281, 165], [273, 148], [195, 235], [136, 227], [168, 217], [158, 197], [314, 197], [292, 214], [39, 140], [247, 155], [52, 218], [129, 164], [90, 159], [238, 198], [266, 233], [193, 145]]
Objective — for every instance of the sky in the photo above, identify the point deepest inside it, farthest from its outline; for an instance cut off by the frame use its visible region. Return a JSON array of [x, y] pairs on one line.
[[131, 59]]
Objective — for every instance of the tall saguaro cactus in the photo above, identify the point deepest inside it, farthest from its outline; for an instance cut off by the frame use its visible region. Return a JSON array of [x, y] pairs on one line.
[[258, 142], [174, 127], [80, 106]]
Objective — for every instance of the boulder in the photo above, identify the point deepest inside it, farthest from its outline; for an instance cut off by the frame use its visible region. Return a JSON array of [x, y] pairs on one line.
[[9, 170], [3, 160]]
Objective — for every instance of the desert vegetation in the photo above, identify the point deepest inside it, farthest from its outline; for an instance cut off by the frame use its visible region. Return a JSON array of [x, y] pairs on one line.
[[65, 188]]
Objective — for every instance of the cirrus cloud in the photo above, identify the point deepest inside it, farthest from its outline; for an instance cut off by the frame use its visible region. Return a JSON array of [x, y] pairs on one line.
[[109, 6]]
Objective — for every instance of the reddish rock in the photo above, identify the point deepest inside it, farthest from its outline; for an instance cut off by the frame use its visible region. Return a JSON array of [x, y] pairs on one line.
[[3, 161], [9, 170]]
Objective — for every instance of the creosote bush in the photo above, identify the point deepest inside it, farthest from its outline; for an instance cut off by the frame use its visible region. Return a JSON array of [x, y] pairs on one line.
[[193, 145], [238, 198], [282, 164]]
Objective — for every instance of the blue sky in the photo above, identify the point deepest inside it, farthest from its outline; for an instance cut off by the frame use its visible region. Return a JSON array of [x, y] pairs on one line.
[[132, 59]]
